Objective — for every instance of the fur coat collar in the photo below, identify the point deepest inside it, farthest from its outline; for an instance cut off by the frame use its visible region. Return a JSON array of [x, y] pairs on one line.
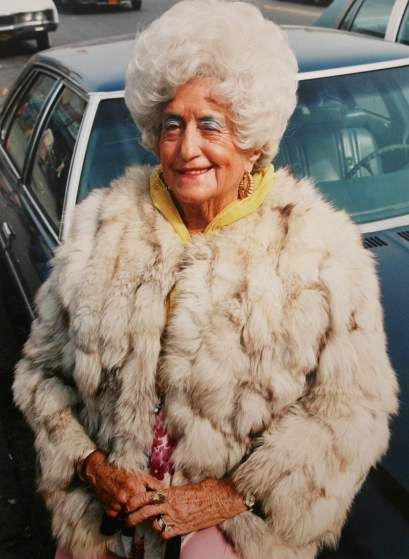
[[273, 362]]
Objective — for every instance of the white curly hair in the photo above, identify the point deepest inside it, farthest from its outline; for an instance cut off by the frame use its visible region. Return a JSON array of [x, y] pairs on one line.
[[249, 56]]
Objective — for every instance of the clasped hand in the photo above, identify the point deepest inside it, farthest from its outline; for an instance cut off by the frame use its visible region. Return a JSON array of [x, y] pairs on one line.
[[186, 508], [172, 510]]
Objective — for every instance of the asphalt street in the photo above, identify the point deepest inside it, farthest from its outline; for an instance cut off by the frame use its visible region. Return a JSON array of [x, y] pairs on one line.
[[100, 23], [24, 523]]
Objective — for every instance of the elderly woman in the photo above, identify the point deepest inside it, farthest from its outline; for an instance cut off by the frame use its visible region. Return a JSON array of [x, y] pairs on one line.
[[208, 359]]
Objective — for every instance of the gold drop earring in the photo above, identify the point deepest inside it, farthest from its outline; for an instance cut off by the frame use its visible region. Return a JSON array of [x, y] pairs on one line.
[[246, 186]]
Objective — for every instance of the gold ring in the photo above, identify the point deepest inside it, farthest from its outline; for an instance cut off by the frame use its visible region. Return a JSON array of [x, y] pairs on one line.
[[157, 498]]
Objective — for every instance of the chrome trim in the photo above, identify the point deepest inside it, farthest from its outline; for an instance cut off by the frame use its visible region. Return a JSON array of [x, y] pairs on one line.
[[10, 162], [78, 160], [8, 232], [346, 18], [27, 25], [384, 224], [73, 164], [58, 74], [44, 114], [75, 88], [370, 67], [395, 19], [108, 94], [3, 246], [39, 211]]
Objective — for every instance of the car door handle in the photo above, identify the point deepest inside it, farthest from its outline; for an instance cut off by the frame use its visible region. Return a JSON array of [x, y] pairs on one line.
[[8, 233]]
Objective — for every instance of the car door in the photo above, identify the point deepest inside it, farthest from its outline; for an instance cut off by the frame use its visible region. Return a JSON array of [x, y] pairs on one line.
[[370, 17], [20, 122], [34, 210]]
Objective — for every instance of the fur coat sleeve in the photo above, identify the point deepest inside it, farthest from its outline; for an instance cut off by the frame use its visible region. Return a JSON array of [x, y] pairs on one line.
[[308, 465]]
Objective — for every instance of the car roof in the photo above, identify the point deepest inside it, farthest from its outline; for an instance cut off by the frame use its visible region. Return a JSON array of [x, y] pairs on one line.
[[316, 48], [93, 66], [320, 48]]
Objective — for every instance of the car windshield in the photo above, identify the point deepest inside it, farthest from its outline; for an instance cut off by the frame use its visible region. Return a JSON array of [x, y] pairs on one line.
[[351, 135], [113, 146]]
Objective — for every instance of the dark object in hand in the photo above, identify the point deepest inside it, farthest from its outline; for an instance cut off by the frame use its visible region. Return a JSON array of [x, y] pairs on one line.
[[173, 548], [109, 526]]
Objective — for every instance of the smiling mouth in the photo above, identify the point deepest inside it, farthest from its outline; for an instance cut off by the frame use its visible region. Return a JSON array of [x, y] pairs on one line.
[[193, 172]]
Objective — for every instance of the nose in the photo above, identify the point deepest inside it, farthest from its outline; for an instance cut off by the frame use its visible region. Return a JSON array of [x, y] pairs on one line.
[[190, 142]]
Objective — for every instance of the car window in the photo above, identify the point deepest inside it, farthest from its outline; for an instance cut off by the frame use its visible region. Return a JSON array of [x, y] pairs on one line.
[[25, 118], [350, 134], [372, 17], [369, 97], [403, 34], [113, 146], [54, 152]]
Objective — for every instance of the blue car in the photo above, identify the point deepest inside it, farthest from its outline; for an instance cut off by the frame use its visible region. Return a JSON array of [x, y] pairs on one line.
[[65, 130]]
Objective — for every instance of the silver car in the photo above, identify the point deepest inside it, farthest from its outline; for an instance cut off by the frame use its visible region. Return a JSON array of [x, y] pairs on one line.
[[386, 19]]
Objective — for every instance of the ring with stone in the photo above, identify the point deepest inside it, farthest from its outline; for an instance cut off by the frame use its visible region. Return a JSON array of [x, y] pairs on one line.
[[161, 523], [157, 498]]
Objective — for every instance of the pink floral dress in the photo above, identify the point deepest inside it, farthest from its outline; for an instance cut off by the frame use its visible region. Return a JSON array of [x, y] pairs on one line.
[[162, 448], [160, 466]]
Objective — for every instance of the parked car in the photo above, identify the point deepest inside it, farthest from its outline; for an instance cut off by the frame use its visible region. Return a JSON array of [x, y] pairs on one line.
[[28, 19], [75, 5], [65, 130], [387, 19], [318, 2]]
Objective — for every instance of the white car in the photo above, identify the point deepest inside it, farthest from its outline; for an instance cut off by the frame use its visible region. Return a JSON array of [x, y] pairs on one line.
[[28, 19]]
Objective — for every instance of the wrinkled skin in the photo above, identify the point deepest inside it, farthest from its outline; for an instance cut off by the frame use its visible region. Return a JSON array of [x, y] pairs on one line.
[[188, 508], [114, 486], [201, 162], [184, 509]]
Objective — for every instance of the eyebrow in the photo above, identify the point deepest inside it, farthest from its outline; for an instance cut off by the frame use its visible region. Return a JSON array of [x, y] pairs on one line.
[[209, 117], [171, 115]]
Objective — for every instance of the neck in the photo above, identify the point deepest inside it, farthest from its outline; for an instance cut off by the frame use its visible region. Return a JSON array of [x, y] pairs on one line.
[[197, 217]]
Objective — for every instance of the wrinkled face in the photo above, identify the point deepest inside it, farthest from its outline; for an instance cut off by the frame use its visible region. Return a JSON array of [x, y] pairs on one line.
[[199, 158]]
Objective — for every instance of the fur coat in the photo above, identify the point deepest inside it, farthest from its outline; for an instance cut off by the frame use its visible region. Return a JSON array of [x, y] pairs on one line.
[[273, 361]]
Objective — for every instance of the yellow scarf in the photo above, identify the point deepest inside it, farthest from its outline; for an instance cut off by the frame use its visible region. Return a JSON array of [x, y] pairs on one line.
[[162, 200]]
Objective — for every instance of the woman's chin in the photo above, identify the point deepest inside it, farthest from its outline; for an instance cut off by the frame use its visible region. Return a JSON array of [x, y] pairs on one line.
[[194, 194]]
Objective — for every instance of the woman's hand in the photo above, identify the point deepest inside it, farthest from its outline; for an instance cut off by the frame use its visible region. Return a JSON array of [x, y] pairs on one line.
[[188, 508], [114, 486]]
